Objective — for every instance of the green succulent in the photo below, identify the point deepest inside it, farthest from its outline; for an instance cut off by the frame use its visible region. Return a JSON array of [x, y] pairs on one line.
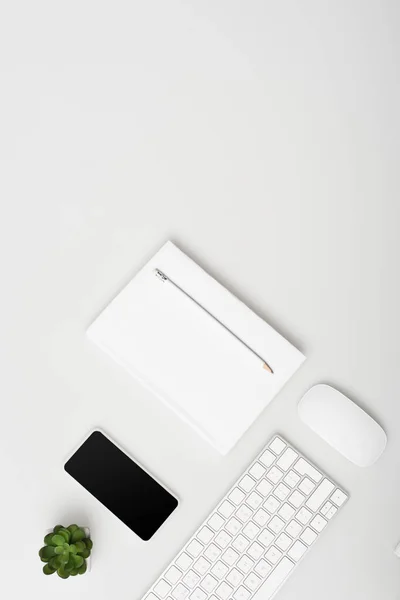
[[66, 551]]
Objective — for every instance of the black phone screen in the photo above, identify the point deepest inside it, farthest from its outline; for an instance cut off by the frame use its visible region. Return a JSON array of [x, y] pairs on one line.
[[121, 485]]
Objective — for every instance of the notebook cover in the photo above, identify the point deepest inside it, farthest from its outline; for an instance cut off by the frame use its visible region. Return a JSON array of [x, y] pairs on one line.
[[187, 358]]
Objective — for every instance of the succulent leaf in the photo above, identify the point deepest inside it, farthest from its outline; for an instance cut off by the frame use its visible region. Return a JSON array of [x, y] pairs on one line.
[[78, 561], [57, 528], [80, 546], [48, 539], [58, 540], [83, 568], [85, 553], [59, 549], [62, 573], [88, 542], [54, 563], [71, 528], [70, 564], [47, 570], [77, 535], [46, 552], [65, 533]]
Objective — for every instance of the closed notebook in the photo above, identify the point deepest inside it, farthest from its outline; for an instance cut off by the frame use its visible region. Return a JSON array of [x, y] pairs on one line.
[[188, 359]]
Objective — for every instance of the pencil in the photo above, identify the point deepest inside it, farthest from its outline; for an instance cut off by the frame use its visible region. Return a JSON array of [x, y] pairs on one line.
[[160, 275]]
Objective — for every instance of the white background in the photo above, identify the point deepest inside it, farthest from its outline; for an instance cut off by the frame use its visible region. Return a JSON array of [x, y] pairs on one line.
[[261, 137]]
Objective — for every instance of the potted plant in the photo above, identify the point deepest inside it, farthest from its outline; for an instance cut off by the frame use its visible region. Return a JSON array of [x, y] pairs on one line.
[[66, 551]]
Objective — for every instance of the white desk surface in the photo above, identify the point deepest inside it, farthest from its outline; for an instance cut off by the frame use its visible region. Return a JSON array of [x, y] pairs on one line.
[[262, 137]]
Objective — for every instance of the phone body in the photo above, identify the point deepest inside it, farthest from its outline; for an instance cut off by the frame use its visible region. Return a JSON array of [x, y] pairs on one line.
[[121, 485]]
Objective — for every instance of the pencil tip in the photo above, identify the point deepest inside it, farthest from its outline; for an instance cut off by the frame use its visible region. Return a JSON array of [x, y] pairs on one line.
[[268, 368]]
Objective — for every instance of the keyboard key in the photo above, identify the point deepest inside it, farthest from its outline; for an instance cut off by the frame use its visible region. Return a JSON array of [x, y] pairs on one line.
[[320, 495], [304, 468], [247, 483], [262, 568], [273, 555], [264, 487], [252, 581], [261, 517], [274, 474], [184, 561], [212, 552], [292, 479], [286, 511], [205, 535], [216, 522], [326, 507], [339, 497], [306, 486], [180, 592], [209, 583], [223, 539], [283, 542], [226, 509], [245, 564], [201, 565], [331, 512], [304, 515], [233, 526], [191, 579], [240, 543], [194, 548], [275, 579], [293, 528], [257, 471], [173, 575], [254, 500], [267, 458], [151, 596], [281, 491], [219, 570], [297, 550], [242, 594], [198, 594], [244, 513], [308, 536], [255, 550], [276, 524], [162, 588], [224, 590], [271, 504], [277, 446], [265, 537], [230, 556], [236, 496], [234, 577], [296, 499], [287, 459], [251, 530], [318, 523]]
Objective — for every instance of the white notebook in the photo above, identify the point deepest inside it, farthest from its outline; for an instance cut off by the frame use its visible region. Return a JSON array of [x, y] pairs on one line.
[[189, 360]]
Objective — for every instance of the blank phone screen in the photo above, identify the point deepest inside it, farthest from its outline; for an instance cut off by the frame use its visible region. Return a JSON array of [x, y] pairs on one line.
[[121, 485]]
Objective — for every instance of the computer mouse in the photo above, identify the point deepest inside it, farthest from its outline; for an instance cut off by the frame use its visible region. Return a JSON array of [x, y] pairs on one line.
[[342, 424]]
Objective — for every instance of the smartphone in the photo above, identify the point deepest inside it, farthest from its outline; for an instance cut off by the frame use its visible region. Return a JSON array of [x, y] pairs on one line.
[[121, 485]]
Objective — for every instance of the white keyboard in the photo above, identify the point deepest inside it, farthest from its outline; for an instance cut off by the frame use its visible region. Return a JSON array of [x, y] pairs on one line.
[[257, 535]]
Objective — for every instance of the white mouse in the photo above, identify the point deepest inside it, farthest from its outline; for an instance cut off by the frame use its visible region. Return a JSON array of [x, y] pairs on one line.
[[342, 424]]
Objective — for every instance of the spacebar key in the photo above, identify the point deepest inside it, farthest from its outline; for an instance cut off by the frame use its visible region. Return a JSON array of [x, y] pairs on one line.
[[274, 581]]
